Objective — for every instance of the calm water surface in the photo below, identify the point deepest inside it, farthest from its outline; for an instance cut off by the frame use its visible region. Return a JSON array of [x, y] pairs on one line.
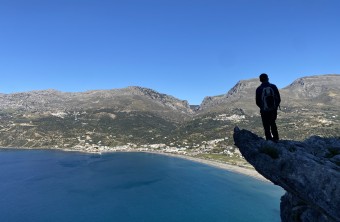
[[45, 185]]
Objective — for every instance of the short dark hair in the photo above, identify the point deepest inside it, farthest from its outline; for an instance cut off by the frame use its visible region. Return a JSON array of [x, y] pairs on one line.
[[264, 77]]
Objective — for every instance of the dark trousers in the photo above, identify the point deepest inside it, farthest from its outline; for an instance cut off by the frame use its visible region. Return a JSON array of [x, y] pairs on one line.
[[269, 125]]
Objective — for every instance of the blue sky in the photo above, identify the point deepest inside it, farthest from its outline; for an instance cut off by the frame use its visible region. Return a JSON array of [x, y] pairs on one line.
[[186, 48]]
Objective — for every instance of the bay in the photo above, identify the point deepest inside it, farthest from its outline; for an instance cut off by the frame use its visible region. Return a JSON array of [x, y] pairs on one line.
[[52, 185]]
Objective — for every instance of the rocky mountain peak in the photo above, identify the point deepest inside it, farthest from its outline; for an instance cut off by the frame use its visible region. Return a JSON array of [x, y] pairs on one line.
[[314, 86], [243, 90], [164, 99], [243, 87], [137, 90]]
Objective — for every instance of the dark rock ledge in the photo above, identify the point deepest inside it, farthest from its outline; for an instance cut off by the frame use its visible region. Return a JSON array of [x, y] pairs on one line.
[[309, 171]]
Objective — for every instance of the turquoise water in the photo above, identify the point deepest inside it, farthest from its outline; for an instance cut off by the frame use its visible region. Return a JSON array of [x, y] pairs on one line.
[[45, 185]]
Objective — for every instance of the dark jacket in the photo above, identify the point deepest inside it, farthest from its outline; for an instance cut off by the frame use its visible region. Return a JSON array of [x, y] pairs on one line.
[[259, 94]]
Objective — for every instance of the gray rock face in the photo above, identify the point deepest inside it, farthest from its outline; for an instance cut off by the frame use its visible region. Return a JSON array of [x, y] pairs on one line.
[[313, 91], [314, 86], [241, 96], [309, 171]]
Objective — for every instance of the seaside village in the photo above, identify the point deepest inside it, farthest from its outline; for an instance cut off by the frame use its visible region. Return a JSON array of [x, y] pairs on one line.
[[86, 144]]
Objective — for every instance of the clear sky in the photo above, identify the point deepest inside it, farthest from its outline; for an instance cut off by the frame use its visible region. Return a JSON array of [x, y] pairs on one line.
[[186, 48]]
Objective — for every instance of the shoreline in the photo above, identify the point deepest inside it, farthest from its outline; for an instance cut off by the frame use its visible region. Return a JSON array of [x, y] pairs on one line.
[[224, 166]]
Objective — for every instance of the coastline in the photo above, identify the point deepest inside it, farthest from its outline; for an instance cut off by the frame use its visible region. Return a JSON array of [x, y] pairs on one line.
[[225, 166]]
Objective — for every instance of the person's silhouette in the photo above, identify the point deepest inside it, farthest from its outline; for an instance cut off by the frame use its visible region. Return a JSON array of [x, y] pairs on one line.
[[268, 100]]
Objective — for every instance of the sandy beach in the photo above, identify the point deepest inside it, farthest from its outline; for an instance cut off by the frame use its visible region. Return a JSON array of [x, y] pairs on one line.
[[233, 168]]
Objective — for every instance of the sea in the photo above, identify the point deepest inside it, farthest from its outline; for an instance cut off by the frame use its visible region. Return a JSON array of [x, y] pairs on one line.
[[53, 185]]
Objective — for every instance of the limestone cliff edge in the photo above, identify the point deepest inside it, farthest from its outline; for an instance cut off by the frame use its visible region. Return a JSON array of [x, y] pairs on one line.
[[309, 171]]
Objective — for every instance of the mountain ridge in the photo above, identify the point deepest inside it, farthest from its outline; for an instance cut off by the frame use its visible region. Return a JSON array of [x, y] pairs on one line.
[[231, 94], [144, 116], [131, 98], [243, 93]]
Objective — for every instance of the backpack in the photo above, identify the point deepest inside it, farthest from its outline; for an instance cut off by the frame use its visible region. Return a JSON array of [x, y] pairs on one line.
[[268, 99]]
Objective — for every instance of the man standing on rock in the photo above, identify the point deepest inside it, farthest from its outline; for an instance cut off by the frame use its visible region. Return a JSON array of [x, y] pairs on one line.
[[268, 100]]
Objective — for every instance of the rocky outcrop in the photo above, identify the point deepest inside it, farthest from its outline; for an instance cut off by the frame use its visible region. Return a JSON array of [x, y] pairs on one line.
[[309, 171]]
